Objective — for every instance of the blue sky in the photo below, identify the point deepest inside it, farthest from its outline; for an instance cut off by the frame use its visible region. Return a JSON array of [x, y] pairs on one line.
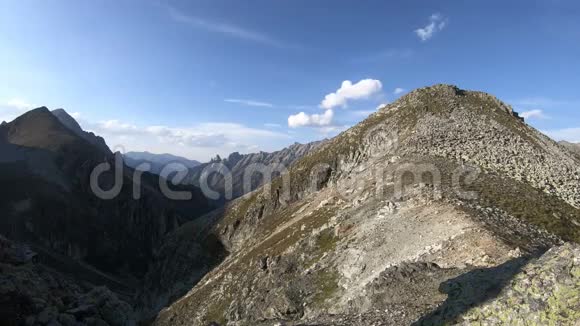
[[197, 78]]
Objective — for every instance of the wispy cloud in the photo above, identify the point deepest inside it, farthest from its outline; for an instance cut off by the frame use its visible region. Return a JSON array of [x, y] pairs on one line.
[[567, 134], [200, 141], [398, 91], [436, 24], [226, 29], [249, 102], [19, 104], [533, 114], [362, 113], [543, 102], [389, 54], [12, 108]]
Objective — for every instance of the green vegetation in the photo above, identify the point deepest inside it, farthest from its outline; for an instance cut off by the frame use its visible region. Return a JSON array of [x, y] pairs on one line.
[[216, 311], [521, 200], [325, 242], [327, 284]]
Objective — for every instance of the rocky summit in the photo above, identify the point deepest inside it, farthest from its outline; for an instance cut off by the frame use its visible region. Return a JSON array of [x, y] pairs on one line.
[[443, 207]]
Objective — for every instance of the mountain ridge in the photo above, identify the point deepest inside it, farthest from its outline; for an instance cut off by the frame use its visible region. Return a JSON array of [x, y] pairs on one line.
[[67, 120], [294, 252], [157, 161]]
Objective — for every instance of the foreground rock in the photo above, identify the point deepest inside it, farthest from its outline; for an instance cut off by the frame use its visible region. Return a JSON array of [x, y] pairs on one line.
[[33, 294], [545, 292]]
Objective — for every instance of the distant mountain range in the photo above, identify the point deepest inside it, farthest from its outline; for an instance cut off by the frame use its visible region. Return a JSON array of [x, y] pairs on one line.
[[573, 147], [239, 165], [157, 161]]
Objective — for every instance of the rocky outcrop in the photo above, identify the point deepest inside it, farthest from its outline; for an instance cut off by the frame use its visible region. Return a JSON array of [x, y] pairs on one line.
[[545, 292]]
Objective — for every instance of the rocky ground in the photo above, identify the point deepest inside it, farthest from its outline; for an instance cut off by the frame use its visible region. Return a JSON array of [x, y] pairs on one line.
[[33, 294]]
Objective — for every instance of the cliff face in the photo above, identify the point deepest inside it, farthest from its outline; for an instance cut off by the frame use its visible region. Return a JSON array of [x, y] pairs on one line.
[[444, 189]]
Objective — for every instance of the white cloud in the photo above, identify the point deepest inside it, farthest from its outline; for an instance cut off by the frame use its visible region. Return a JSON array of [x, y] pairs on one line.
[[364, 89], [543, 102], [201, 141], [363, 113], [382, 105], [12, 108], [330, 131], [249, 102], [19, 104], [311, 120], [436, 23], [118, 127], [398, 91], [568, 134], [531, 114]]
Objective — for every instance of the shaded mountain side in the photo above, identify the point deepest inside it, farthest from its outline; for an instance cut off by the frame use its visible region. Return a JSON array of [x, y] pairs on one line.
[[73, 125], [243, 166], [52, 205], [32, 293], [157, 161], [380, 196]]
